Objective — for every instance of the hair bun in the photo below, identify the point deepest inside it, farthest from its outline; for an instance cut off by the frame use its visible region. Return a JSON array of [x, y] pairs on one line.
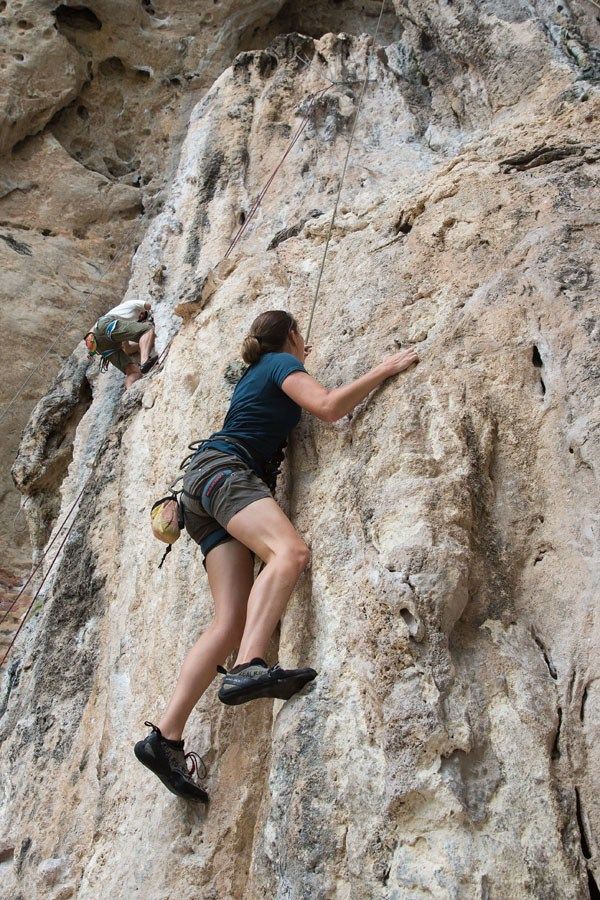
[[251, 349]]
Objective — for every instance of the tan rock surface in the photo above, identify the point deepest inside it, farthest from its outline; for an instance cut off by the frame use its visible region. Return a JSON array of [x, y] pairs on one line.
[[448, 748], [94, 102]]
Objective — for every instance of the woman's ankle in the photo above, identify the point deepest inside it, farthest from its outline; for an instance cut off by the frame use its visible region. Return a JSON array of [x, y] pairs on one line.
[[171, 734]]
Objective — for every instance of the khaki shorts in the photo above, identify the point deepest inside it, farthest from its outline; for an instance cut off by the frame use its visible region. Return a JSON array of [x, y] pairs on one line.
[[109, 345], [216, 486]]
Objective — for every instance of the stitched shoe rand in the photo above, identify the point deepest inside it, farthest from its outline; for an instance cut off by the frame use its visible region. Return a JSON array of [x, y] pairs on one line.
[[256, 680]]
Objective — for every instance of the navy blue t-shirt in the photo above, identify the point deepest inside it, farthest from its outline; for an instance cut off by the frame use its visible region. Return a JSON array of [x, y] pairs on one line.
[[261, 415]]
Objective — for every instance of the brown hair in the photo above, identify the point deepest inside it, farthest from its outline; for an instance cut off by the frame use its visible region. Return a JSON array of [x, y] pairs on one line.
[[268, 334]]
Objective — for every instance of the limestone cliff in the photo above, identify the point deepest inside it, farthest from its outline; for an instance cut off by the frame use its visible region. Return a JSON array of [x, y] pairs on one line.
[[449, 747]]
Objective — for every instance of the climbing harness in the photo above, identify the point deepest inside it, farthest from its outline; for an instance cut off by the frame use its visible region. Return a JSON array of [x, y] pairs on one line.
[[339, 193], [166, 514]]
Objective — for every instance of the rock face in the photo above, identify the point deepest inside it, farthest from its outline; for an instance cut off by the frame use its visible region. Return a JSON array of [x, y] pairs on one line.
[[449, 747], [94, 107]]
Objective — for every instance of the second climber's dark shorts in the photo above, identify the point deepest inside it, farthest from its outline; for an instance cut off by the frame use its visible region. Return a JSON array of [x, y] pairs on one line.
[[216, 486]]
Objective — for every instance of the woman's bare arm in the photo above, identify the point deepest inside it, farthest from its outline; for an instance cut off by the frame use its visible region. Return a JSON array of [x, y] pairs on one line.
[[329, 406]]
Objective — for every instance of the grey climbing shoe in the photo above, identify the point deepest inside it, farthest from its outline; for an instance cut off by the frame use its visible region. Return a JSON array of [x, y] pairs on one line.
[[167, 760], [149, 364], [255, 679]]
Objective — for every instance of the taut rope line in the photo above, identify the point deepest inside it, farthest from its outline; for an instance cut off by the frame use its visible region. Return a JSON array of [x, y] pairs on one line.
[[35, 596], [343, 175]]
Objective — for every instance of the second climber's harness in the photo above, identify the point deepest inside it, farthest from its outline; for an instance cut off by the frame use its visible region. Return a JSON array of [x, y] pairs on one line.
[[91, 342]]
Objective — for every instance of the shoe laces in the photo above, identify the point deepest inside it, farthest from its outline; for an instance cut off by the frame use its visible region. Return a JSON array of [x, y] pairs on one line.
[[195, 761]]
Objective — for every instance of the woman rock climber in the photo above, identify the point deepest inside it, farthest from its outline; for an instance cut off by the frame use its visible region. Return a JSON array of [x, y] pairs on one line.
[[229, 510]]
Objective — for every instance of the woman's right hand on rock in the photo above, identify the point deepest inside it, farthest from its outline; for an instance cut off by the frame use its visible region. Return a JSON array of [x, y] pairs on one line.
[[399, 362]]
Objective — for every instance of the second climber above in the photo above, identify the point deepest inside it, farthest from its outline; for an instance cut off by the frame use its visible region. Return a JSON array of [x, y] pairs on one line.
[[229, 510], [123, 330]]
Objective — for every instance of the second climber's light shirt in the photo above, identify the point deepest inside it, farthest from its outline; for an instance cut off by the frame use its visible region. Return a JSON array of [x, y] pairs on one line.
[[129, 309]]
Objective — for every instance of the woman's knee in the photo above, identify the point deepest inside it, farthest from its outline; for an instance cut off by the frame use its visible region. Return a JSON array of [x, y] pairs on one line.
[[228, 631], [294, 556]]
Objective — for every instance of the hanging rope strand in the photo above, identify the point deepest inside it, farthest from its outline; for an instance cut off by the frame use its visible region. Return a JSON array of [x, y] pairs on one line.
[[43, 556], [266, 186], [343, 175], [35, 596]]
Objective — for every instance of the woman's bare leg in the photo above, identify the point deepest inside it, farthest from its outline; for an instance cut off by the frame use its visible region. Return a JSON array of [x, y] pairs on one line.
[[230, 569], [265, 529]]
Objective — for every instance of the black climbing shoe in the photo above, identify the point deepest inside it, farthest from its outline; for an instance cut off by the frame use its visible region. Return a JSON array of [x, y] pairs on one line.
[[255, 679], [148, 364], [167, 760]]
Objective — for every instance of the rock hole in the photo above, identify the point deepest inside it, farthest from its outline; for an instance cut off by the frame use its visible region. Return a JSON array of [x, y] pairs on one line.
[[241, 217], [79, 18], [112, 66], [2, 5], [426, 42], [23, 23], [143, 74], [409, 620], [546, 655], [585, 847], [555, 748], [538, 362], [19, 56], [402, 226], [7, 853], [593, 887], [571, 450], [536, 359], [83, 113], [584, 697]]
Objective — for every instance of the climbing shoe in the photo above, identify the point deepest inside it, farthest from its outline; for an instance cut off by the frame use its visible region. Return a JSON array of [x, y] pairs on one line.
[[167, 760], [149, 364], [255, 679]]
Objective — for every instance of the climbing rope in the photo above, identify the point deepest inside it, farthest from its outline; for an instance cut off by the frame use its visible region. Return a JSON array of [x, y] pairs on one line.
[[266, 186], [235, 240], [343, 175], [35, 596], [42, 557]]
